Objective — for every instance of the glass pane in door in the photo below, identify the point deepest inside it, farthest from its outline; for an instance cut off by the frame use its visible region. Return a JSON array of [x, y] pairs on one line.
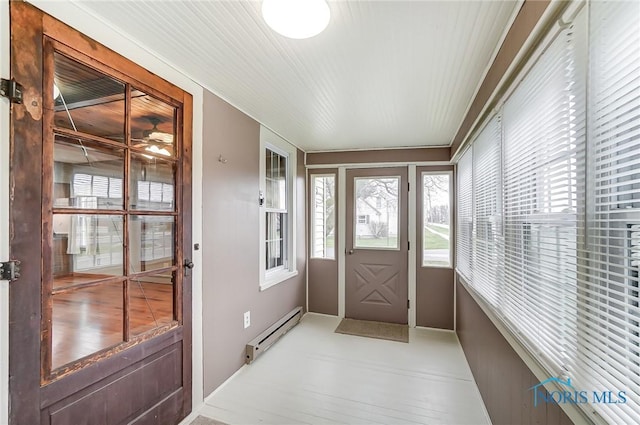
[[153, 124], [85, 321], [87, 175], [81, 94], [151, 242], [152, 184], [376, 212], [150, 302], [86, 248]]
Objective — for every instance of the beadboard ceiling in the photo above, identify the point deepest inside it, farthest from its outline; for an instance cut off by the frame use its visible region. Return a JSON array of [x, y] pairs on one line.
[[383, 74]]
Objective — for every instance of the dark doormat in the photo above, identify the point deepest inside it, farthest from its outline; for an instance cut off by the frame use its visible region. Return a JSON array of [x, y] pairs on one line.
[[370, 329], [201, 420]]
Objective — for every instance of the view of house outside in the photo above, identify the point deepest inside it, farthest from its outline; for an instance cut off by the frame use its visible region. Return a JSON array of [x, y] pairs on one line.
[[376, 212]]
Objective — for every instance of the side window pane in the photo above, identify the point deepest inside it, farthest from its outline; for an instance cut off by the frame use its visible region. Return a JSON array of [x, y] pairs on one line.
[[376, 215], [276, 240], [436, 220], [276, 184], [276, 220], [323, 217]]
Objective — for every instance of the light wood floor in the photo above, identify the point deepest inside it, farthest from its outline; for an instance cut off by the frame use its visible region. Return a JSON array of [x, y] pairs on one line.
[[315, 376]]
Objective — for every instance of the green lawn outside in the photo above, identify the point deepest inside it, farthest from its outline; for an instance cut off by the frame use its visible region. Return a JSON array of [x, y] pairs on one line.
[[390, 242], [431, 241], [434, 241]]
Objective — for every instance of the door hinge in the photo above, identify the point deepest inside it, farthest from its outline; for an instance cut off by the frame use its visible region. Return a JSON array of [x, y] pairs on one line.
[[12, 90], [10, 270], [408, 186], [408, 245], [408, 304]]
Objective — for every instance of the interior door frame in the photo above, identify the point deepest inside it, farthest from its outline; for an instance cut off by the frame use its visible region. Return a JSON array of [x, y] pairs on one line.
[[26, 395]]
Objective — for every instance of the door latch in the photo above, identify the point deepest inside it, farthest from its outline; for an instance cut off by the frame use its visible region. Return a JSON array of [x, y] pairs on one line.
[[188, 265], [10, 270], [11, 89]]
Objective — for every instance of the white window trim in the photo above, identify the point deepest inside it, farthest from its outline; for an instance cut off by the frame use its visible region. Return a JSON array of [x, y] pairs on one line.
[[451, 218], [270, 140]]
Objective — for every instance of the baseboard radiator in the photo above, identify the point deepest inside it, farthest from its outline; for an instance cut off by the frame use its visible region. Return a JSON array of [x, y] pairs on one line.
[[266, 339]]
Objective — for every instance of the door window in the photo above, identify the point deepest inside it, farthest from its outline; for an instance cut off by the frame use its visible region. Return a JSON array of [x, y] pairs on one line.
[[114, 274], [376, 212]]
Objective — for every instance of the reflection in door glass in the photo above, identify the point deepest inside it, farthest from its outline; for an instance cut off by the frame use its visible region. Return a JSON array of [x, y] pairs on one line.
[[436, 221], [87, 175], [376, 212], [86, 248], [153, 124], [150, 302], [85, 321], [81, 94]]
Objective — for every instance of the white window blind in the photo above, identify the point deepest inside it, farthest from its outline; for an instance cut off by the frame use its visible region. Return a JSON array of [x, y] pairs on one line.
[[543, 146], [487, 211], [464, 220], [608, 339], [564, 277]]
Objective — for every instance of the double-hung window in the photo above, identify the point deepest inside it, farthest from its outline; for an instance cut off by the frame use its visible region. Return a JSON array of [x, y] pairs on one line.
[[278, 165]]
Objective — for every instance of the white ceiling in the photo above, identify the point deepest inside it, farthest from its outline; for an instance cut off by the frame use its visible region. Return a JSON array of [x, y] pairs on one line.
[[383, 73]]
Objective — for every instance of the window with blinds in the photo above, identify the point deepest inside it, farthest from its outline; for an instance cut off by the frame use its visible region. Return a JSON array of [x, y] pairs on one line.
[[549, 237], [487, 211], [464, 217], [544, 145], [609, 353]]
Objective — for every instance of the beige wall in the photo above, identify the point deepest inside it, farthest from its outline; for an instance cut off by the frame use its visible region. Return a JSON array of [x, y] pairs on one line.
[[378, 156], [231, 242]]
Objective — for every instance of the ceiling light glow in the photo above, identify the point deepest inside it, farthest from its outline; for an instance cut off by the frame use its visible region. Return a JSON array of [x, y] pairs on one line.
[[296, 18]]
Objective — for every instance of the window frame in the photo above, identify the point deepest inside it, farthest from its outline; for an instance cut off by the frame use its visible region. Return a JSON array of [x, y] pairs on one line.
[[312, 178], [50, 370], [449, 173], [274, 143]]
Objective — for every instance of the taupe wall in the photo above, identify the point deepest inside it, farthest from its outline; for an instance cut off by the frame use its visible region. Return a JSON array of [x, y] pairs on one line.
[[502, 377], [378, 156], [434, 285], [230, 245]]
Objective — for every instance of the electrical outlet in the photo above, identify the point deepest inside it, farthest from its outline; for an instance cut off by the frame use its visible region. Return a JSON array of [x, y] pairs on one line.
[[247, 319]]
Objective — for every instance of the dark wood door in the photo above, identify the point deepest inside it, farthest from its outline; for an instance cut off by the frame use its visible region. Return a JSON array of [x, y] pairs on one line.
[[376, 282], [100, 217]]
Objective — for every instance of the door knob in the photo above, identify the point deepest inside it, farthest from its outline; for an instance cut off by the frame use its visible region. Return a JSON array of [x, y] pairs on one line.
[[350, 251], [188, 265]]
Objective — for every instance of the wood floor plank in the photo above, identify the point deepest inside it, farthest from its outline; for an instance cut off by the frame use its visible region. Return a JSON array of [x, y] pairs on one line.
[[316, 376]]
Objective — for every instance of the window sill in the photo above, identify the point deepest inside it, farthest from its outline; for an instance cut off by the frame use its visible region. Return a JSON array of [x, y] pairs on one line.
[[276, 278]]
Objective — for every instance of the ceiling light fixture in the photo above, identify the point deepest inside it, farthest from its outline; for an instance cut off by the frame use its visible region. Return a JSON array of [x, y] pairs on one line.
[[155, 149], [154, 134], [296, 18]]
